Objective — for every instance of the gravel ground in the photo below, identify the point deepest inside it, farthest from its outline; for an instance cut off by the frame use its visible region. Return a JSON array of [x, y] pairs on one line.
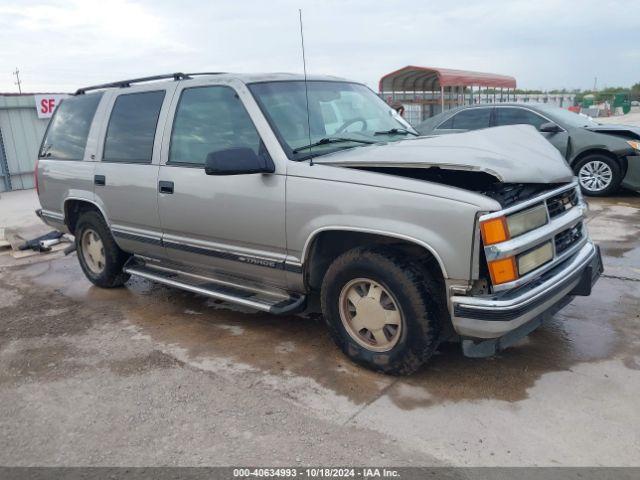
[[148, 375]]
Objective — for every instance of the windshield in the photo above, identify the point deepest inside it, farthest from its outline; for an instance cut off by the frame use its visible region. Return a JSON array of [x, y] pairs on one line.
[[337, 111], [569, 118]]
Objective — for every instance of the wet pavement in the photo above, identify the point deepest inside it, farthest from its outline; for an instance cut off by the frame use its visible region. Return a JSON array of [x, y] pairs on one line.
[[152, 375]]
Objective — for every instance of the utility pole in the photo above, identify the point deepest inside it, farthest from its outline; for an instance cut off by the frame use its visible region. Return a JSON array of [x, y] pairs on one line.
[[17, 74], [595, 84]]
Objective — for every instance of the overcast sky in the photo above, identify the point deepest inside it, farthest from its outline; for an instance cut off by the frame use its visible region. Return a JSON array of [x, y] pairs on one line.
[[62, 45]]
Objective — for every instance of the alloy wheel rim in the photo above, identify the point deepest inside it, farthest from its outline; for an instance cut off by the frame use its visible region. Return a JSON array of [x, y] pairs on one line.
[[370, 314], [93, 251], [595, 176]]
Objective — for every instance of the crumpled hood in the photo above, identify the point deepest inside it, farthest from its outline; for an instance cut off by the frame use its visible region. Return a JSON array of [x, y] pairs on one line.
[[513, 154], [633, 132]]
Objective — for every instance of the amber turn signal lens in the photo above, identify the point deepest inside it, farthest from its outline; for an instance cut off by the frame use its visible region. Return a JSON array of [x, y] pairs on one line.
[[494, 230], [503, 270]]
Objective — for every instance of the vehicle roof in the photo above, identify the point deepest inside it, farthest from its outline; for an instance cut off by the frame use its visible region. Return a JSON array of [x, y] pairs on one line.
[[224, 76]]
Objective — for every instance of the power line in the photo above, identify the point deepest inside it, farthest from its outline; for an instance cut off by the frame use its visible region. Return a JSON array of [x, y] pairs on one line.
[[18, 82]]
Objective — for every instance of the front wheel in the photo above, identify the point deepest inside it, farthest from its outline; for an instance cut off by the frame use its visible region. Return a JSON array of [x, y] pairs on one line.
[[598, 175], [383, 311], [100, 258]]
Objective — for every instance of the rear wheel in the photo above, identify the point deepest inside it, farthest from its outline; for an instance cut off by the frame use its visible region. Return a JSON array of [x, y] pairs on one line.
[[100, 258], [383, 311], [598, 175]]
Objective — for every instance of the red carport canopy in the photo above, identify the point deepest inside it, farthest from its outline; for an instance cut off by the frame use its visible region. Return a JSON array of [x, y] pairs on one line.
[[427, 79]]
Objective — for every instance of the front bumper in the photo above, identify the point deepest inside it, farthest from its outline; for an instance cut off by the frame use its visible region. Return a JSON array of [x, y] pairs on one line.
[[492, 322]]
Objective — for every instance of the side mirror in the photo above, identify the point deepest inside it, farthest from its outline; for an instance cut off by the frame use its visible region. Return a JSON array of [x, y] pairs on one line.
[[550, 127], [237, 161]]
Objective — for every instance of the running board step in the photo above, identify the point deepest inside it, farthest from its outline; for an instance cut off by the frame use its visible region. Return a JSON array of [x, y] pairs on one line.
[[272, 302]]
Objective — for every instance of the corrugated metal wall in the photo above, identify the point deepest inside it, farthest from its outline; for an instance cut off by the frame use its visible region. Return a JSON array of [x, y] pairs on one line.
[[21, 132]]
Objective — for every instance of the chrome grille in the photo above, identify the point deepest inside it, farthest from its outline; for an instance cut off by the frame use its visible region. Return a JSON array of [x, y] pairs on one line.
[[567, 238], [558, 204]]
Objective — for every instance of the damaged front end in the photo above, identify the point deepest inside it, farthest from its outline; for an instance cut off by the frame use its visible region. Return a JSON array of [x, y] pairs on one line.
[[530, 258], [535, 256], [530, 255]]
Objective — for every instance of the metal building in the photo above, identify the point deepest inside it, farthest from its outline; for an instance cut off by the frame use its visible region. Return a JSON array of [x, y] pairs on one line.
[[21, 131], [427, 91]]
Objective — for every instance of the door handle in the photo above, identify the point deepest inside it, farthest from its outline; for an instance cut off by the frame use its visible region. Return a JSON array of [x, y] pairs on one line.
[[99, 180], [165, 186]]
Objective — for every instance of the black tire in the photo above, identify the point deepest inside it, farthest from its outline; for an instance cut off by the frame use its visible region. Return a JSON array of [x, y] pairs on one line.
[[418, 293], [111, 275], [616, 172]]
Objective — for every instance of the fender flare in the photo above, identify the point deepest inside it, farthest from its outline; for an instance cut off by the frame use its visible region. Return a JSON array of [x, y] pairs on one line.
[[338, 228], [85, 200]]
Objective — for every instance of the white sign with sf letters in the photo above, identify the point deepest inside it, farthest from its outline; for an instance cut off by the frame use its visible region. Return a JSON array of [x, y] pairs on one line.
[[46, 104]]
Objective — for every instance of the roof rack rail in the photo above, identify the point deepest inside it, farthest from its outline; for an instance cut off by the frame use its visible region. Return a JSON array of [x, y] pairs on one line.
[[128, 83], [195, 74]]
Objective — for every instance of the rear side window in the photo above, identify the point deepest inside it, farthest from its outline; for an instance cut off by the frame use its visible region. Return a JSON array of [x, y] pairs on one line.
[[471, 119], [132, 127], [66, 136], [518, 116], [208, 120]]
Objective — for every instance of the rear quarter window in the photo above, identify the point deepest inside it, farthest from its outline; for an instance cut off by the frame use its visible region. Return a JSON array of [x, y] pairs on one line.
[[66, 135]]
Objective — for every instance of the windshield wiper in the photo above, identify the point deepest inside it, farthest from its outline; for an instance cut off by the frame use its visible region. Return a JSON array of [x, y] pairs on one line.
[[328, 140], [397, 131]]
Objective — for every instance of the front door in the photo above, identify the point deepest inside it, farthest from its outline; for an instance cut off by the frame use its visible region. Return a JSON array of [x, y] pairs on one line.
[[231, 224], [524, 116]]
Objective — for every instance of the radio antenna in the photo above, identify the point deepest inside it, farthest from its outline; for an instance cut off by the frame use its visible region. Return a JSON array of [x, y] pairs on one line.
[[306, 89]]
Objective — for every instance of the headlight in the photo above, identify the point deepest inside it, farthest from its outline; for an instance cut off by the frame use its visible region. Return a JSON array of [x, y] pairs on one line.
[[500, 229], [535, 258], [523, 222], [635, 144]]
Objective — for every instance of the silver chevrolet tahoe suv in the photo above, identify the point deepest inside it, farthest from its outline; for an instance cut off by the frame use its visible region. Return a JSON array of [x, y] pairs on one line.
[[269, 190]]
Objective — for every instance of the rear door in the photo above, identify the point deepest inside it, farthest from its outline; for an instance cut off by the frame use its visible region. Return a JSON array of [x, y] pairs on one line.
[[524, 116], [126, 177], [222, 224]]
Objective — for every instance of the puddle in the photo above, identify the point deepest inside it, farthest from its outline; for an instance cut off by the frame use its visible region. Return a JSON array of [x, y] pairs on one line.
[[280, 345], [615, 227]]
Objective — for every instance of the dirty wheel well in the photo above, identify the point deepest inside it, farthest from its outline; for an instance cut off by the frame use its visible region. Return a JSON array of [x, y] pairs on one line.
[[73, 209], [327, 246]]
